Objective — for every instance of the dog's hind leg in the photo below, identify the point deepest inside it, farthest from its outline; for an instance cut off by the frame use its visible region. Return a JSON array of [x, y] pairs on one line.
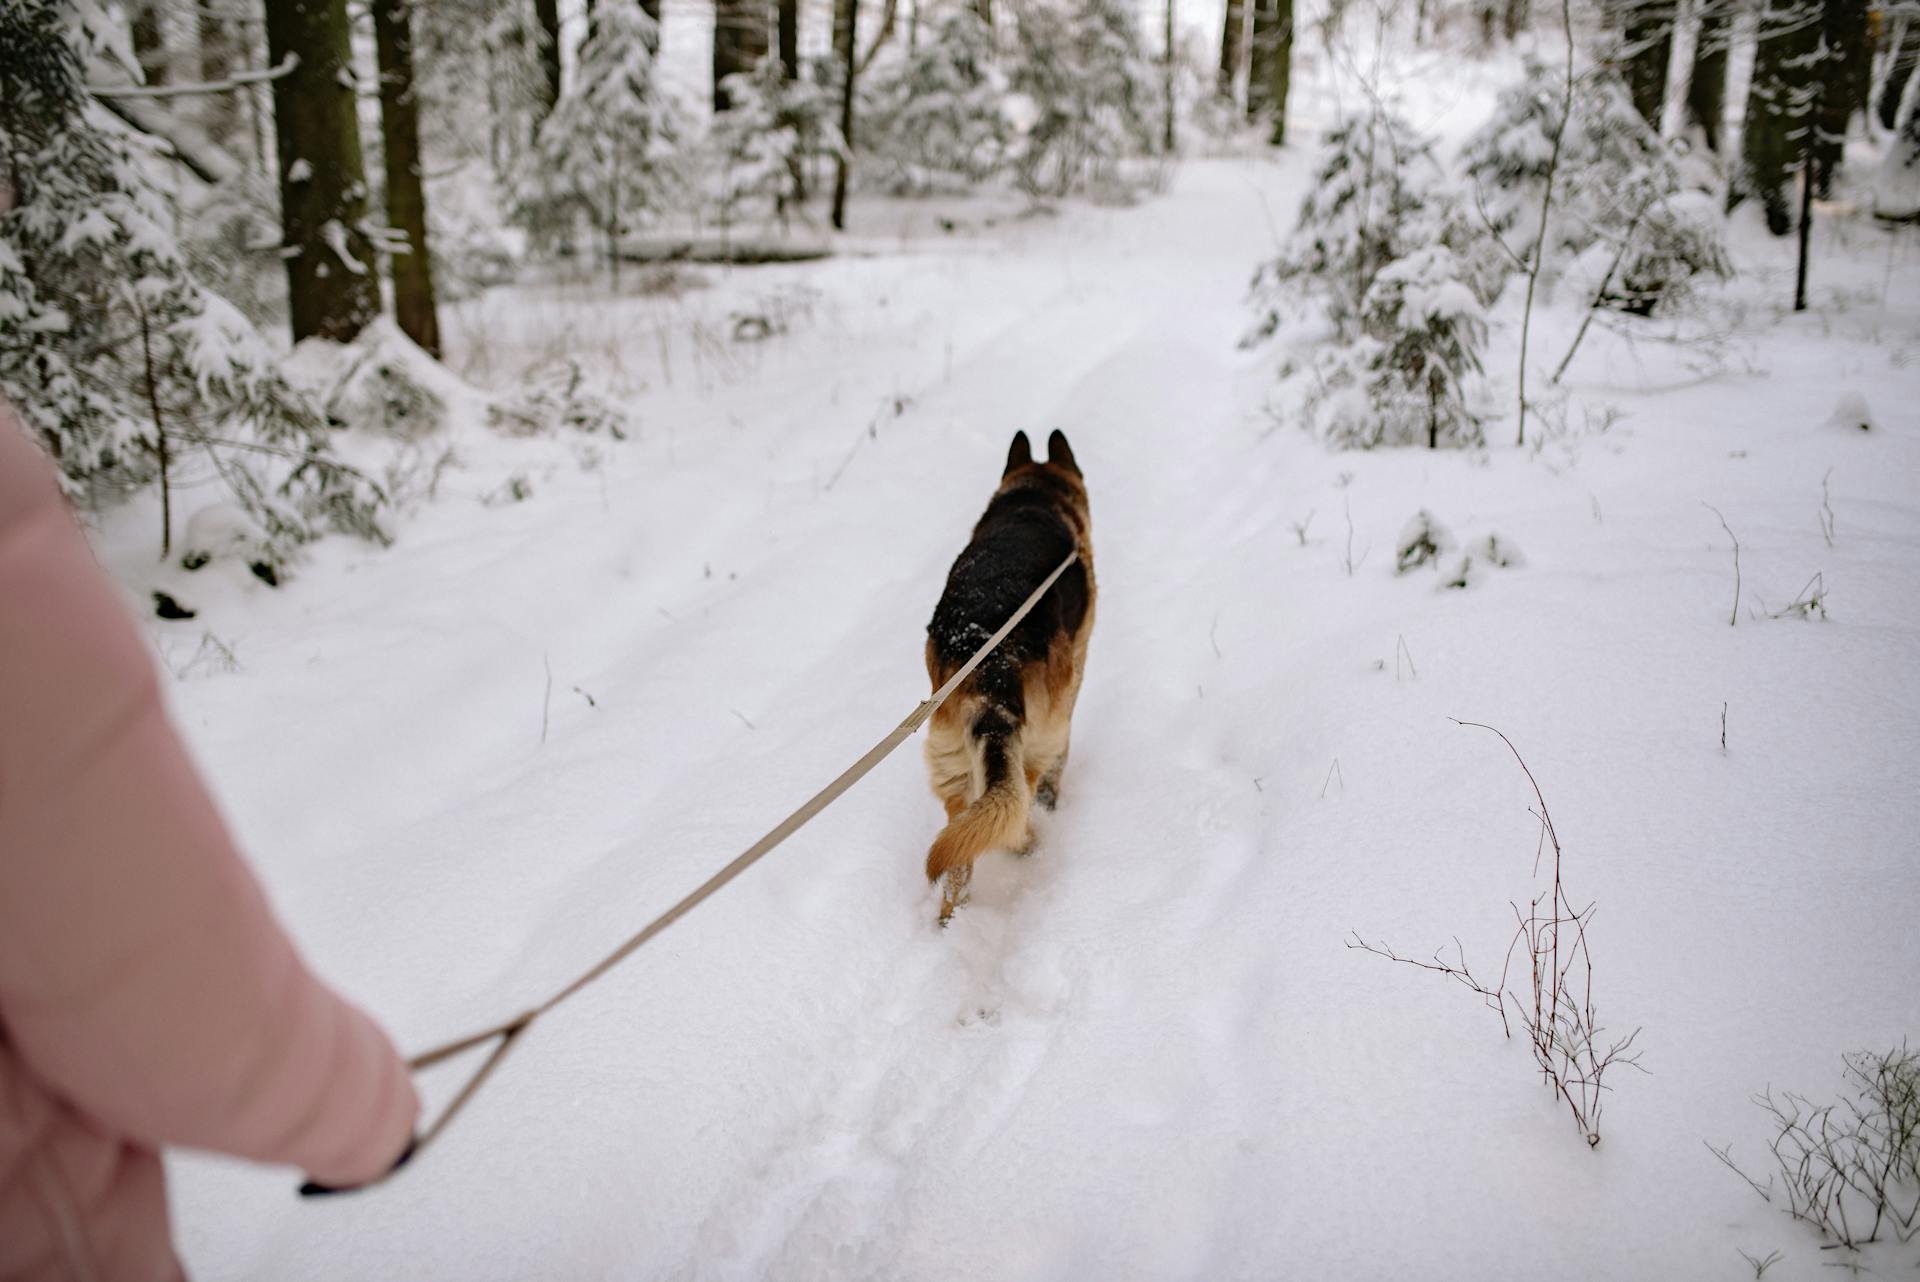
[[953, 891]]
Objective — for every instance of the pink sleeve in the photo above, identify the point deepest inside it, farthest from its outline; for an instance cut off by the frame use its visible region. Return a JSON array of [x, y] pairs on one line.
[[142, 974]]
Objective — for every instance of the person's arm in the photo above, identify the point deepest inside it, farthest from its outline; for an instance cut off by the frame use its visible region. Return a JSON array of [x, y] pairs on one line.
[[142, 974]]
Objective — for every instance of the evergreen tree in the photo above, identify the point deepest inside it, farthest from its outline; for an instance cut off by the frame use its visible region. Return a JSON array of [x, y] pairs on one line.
[[1084, 66], [936, 117], [332, 291], [1617, 187], [119, 362], [1384, 245], [413, 304], [608, 151], [776, 124]]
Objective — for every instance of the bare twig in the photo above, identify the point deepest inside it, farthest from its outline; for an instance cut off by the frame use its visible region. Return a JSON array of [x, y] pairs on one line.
[[546, 699], [1734, 617], [1333, 774], [1826, 509]]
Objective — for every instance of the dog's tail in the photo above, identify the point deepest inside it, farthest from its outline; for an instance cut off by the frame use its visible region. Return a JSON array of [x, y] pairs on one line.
[[998, 819]]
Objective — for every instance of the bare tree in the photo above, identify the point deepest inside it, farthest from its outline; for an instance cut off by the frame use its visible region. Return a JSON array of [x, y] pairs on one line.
[[331, 287], [413, 302], [846, 20], [739, 42]]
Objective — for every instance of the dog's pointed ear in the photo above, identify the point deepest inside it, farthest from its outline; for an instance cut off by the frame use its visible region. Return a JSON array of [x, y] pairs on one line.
[[1020, 455], [1059, 453]]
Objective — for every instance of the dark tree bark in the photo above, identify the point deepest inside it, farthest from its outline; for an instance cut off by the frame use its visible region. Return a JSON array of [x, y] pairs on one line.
[[739, 42], [1514, 18], [546, 14], [1167, 141], [1233, 46], [147, 27], [1845, 73], [1902, 60], [220, 57], [846, 20], [1646, 39], [1779, 108], [1260, 55], [1272, 70], [1280, 72], [1707, 89], [790, 38], [332, 291], [413, 303]]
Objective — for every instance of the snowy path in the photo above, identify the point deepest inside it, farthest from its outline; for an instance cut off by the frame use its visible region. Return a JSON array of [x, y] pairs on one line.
[[1141, 1053]]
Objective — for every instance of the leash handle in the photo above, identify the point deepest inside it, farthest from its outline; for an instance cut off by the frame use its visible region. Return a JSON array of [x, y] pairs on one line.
[[509, 1031]]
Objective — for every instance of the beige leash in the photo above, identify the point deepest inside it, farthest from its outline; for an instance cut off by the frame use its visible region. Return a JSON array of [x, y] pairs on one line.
[[509, 1031]]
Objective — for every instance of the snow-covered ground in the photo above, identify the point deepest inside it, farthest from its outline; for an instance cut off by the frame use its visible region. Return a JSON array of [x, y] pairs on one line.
[[470, 765]]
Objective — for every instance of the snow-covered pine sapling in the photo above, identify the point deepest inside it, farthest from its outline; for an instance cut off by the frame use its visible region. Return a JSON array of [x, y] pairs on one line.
[[1619, 208], [1089, 82], [938, 118], [1384, 244], [119, 362], [773, 126], [1555, 1009], [608, 152]]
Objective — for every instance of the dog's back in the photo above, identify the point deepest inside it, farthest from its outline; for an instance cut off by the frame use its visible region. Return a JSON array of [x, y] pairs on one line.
[[1002, 738]]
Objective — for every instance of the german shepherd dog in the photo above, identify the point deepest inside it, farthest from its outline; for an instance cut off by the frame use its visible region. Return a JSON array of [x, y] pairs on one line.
[[999, 743]]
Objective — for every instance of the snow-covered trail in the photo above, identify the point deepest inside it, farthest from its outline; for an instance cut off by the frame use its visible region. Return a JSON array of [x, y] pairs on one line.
[[1142, 1052]]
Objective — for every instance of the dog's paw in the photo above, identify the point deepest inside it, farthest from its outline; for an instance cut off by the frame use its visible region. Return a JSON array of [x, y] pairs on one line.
[[1047, 794]]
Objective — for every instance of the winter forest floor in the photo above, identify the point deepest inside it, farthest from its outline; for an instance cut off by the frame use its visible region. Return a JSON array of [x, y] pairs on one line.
[[1144, 1051]]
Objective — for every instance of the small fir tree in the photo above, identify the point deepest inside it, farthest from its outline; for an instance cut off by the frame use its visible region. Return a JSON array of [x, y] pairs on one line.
[[1084, 68], [938, 118], [1384, 245], [763, 142], [608, 153]]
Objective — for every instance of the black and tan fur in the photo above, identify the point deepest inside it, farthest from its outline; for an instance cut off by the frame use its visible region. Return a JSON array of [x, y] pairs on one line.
[[999, 743]]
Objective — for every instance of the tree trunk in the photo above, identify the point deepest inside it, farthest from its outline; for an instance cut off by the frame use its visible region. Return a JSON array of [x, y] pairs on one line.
[[148, 30], [1167, 141], [651, 8], [1266, 18], [1843, 74], [1806, 232], [739, 42], [331, 288], [985, 9], [1707, 88], [1233, 47], [1280, 71], [1779, 107], [846, 21], [413, 304], [219, 58], [1514, 18], [790, 38], [546, 15], [1646, 39], [1902, 59]]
